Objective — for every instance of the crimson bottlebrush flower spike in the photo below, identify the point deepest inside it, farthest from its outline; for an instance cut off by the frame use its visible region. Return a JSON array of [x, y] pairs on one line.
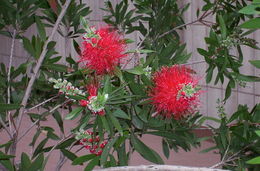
[[102, 52], [175, 92]]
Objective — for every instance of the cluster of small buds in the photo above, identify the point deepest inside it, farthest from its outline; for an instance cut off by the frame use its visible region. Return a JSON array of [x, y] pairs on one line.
[[229, 42], [221, 109], [236, 39], [147, 71], [66, 87], [91, 142], [188, 91], [91, 36], [96, 104]]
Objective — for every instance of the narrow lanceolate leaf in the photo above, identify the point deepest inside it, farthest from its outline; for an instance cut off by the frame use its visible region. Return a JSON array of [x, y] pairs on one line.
[[92, 164], [74, 113], [256, 63], [255, 160], [222, 26], [83, 159], [25, 162], [37, 163], [105, 124], [115, 122], [147, 153], [121, 114], [40, 28], [6, 163], [251, 24], [5, 157], [166, 150], [6, 107], [68, 154]]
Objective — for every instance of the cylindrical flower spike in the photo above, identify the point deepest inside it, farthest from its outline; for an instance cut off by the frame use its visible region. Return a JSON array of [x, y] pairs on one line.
[[104, 53], [175, 92]]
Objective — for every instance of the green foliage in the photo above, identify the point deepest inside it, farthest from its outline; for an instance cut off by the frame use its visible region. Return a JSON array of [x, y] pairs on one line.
[[225, 37], [124, 96], [236, 155]]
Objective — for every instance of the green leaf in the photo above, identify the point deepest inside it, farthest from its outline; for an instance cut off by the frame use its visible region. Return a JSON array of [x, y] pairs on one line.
[[66, 143], [56, 67], [25, 162], [138, 70], [121, 114], [115, 122], [147, 153], [146, 51], [249, 10], [37, 163], [92, 164], [106, 150], [6, 107], [59, 120], [251, 24], [165, 147], [209, 149], [212, 119], [5, 157], [256, 63], [82, 159], [68, 154], [122, 155], [222, 27], [76, 47], [6, 163], [105, 124], [40, 28], [40, 147], [74, 113], [128, 41], [255, 160], [28, 46], [258, 132], [247, 78], [6, 144]]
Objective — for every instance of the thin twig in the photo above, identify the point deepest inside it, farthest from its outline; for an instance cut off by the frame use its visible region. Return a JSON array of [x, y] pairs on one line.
[[5, 127], [10, 66], [38, 65], [38, 120], [133, 55], [231, 158], [234, 90], [58, 143], [40, 104], [9, 78], [200, 19]]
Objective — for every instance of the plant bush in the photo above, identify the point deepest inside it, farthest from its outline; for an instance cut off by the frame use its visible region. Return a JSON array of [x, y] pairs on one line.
[[117, 105]]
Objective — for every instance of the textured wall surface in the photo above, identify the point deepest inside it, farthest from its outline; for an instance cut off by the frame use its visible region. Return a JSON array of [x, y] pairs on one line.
[[193, 36]]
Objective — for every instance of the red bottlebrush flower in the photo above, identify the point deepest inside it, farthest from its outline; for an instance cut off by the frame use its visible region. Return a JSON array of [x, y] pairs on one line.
[[102, 54], [83, 103], [175, 92]]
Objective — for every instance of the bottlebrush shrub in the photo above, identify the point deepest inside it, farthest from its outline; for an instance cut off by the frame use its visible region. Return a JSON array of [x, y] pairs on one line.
[[117, 107]]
